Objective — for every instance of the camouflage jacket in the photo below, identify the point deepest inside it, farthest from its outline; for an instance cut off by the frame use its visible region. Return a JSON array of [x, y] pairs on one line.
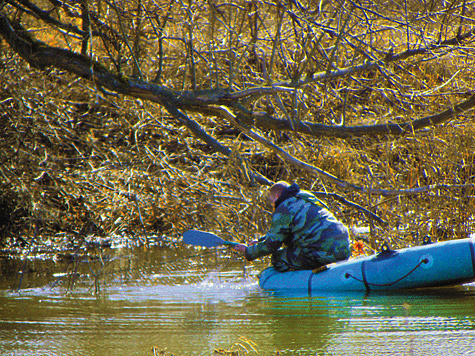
[[298, 221]]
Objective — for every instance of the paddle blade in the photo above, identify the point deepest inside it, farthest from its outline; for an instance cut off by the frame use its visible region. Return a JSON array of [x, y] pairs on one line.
[[205, 239]]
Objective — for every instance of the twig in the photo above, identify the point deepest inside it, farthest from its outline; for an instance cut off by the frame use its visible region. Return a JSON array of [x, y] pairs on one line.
[[368, 213], [122, 30]]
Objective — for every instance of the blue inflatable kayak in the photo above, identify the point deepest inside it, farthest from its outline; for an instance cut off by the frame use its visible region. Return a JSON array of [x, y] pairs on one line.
[[432, 265]]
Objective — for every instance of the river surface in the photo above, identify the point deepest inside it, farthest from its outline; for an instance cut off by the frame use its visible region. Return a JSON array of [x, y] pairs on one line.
[[200, 302]]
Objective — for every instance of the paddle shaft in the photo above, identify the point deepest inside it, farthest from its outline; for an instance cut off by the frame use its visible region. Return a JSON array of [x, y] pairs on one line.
[[205, 239]]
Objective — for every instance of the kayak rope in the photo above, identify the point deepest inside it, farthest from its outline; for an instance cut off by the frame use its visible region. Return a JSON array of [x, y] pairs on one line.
[[368, 284]]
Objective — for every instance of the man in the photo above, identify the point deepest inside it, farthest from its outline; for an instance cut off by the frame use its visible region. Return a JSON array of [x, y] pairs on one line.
[[312, 235]]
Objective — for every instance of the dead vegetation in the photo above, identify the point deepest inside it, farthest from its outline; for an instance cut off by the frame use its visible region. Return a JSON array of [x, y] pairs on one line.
[[144, 119]]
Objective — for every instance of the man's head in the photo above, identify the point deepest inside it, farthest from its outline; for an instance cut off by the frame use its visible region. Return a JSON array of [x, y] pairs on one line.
[[276, 190]]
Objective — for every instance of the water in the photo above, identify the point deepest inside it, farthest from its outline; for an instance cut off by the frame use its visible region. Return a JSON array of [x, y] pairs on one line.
[[194, 305]]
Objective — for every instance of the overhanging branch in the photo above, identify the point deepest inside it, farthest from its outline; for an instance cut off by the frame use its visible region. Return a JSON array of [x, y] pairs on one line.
[[342, 184], [265, 121], [42, 56]]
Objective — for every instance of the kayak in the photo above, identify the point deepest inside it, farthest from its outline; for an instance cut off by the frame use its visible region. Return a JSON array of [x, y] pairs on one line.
[[431, 265]]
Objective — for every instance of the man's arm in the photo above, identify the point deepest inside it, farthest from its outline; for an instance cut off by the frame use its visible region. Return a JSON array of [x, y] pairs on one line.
[[275, 237]]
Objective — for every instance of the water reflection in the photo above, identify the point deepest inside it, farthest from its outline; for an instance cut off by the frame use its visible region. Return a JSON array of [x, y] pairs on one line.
[[193, 305]]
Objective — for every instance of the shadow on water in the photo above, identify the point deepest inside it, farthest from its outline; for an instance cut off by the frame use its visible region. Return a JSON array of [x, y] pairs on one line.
[[191, 302]]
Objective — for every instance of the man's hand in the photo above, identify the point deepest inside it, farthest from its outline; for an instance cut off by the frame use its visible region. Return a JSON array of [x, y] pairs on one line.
[[240, 248]]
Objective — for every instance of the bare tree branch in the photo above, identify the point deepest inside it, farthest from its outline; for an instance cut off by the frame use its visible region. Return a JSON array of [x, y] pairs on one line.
[[265, 121], [42, 56], [223, 111]]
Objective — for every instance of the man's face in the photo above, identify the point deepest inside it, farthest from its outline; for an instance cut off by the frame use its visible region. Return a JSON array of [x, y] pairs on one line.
[[272, 198]]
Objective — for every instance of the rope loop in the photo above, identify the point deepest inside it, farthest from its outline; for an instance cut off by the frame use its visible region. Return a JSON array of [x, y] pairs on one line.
[[423, 261]]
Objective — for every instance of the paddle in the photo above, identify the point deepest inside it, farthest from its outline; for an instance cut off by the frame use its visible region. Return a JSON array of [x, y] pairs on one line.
[[205, 239]]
